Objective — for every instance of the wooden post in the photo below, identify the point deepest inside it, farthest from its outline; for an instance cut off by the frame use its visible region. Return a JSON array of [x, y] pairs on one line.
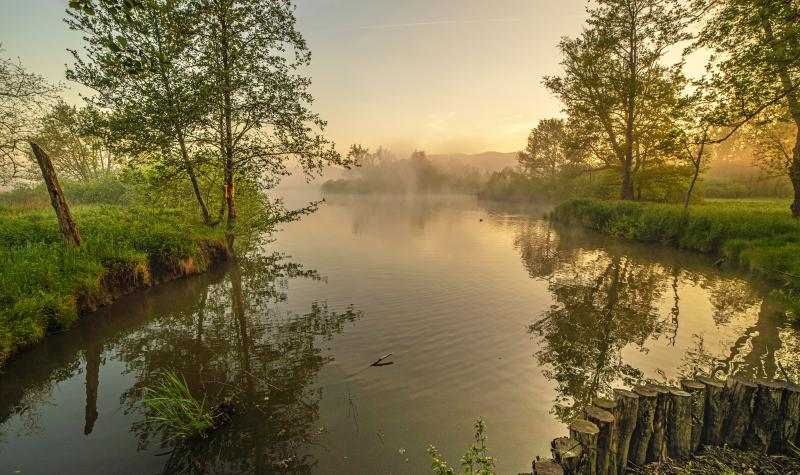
[[625, 411], [606, 442], [645, 414], [713, 414], [69, 230], [737, 399], [605, 404], [546, 467], [656, 451], [762, 434], [586, 434], [789, 418], [679, 425], [698, 392], [567, 452]]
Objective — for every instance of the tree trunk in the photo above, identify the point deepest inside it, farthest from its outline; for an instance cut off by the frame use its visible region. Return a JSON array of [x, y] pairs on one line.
[[625, 411], [567, 452], [656, 451], [698, 392], [762, 434], [645, 415], [69, 230], [586, 434], [738, 399], [714, 411], [794, 174], [193, 179], [679, 425]]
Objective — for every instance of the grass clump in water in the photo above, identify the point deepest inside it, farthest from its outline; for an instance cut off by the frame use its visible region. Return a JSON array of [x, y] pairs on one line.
[[475, 461], [173, 410]]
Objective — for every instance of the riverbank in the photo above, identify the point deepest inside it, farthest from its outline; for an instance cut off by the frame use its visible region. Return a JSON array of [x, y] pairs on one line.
[[46, 287], [760, 236]]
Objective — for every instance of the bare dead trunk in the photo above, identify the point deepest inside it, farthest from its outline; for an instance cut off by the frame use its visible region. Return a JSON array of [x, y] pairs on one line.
[[69, 230]]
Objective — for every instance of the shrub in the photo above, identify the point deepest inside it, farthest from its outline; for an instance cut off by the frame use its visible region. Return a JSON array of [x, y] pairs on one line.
[[173, 410]]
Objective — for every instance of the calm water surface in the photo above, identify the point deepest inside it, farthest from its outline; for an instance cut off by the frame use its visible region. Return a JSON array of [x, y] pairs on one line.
[[487, 311]]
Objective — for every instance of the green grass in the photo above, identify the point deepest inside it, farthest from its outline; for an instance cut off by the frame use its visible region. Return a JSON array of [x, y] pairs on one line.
[[174, 411], [44, 284], [759, 235]]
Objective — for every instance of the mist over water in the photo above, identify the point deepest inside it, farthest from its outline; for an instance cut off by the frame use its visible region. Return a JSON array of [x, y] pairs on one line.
[[487, 311]]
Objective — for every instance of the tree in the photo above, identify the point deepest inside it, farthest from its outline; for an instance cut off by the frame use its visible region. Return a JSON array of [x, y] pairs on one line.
[[68, 135], [23, 95], [755, 64], [253, 55], [615, 87], [138, 57], [547, 152]]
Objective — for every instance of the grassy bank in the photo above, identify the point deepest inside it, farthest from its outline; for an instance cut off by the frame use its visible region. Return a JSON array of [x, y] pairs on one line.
[[758, 235], [46, 286]]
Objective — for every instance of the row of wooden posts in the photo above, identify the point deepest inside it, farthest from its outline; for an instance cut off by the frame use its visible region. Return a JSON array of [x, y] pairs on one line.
[[651, 423]]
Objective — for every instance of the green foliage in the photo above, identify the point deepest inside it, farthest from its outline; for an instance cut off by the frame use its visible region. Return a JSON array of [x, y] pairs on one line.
[[45, 284], [174, 411], [107, 190], [758, 235], [476, 460]]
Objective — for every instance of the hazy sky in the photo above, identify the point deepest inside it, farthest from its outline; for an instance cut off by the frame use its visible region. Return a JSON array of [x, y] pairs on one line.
[[439, 75]]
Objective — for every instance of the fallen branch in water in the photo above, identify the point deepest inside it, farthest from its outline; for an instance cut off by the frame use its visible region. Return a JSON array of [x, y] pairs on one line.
[[378, 361]]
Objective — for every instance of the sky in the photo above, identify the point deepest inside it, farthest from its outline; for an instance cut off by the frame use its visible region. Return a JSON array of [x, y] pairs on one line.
[[442, 76]]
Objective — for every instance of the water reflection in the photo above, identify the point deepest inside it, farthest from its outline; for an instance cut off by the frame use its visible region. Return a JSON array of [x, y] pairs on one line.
[[230, 341], [611, 306]]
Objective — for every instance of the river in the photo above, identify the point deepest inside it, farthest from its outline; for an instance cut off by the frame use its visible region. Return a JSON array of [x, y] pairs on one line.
[[488, 311]]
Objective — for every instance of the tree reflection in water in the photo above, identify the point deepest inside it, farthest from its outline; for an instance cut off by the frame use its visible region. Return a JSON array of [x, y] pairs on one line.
[[234, 346], [610, 298]]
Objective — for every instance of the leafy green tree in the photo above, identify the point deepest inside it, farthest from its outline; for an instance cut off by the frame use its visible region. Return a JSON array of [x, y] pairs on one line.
[[68, 135], [138, 57], [254, 57], [755, 65], [615, 87], [547, 153]]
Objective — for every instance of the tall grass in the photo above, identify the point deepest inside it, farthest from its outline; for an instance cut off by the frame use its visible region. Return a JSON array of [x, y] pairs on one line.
[[760, 235], [43, 283], [173, 410]]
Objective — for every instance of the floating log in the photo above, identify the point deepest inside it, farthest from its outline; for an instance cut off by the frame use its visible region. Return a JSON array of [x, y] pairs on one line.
[[737, 398], [713, 414], [547, 467], [606, 442], [656, 450], [789, 425], [679, 425], [698, 392], [762, 434], [586, 433], [567, 452], [625, 413], [645, 413]]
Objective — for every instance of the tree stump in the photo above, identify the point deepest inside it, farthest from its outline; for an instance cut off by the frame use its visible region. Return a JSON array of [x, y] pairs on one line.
[[789, 418], [625, 412], [645, 413], [547, 467], [679, 425], [586, 434], [762, 434], [698, 392], [737, 399], [69, 231], [656, 450], [567, 452], [713, 416], [606, 442], [605, 404]]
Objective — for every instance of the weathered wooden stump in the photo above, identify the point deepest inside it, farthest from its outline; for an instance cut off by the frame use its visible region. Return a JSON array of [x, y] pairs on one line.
[[547, 467], [789, 420], [625, 412], [69, 230], [606, 442], [698, 392], [585, 433], [656, 450], [762, 433], [645, 413], [737, 398], [567, 452], [605, 404], [714, 415], [679, 425]]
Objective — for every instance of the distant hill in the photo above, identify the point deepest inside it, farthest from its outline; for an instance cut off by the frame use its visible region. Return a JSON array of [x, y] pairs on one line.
[[487, 161]]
